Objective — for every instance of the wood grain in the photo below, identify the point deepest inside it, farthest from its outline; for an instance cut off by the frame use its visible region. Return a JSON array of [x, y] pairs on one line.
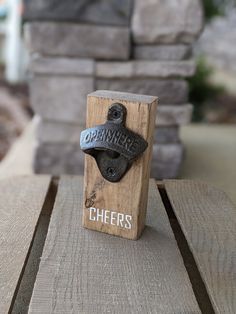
[[208, 220], [84, 271], [129, 196], [21, 201]]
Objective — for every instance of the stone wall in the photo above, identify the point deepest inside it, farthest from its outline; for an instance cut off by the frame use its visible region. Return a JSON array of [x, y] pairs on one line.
[[136, 46]]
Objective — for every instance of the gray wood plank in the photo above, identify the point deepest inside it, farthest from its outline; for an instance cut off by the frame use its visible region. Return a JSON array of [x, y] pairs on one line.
[[84, 271], [208, 220], [21, 201]]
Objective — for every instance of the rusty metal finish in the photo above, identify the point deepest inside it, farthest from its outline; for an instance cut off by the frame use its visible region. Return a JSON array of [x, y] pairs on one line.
[[113, 146]]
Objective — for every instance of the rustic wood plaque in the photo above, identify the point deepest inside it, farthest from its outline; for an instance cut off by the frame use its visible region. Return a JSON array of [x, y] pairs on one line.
[[119, 208]]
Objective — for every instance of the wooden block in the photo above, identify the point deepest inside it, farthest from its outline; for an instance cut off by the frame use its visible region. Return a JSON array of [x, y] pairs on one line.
[[83, 271], [121, 204]]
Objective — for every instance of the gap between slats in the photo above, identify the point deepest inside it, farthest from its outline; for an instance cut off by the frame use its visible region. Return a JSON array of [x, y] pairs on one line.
[[198, 285], [24, 289], [27, 279]]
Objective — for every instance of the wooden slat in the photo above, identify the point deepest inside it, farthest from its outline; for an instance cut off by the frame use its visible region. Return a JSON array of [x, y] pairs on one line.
[[84, 271], [21, 201], [208, 220]]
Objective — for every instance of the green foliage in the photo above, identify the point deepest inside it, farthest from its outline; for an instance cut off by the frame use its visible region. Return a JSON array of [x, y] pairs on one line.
[[201, 89], [211, 9]]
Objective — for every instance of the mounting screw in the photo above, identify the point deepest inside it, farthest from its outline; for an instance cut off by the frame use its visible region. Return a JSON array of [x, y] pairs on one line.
[[111, 172], [117, 113]]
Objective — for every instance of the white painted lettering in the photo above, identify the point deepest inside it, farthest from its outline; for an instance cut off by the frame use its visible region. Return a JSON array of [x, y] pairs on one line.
[[128, 220], [91, 210], [110, 217], [100, 216], [120, 219], [113, 218], [106, 217]]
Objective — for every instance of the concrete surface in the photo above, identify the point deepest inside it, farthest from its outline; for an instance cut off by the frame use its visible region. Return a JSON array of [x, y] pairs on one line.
[[211, 155], [19, 159]]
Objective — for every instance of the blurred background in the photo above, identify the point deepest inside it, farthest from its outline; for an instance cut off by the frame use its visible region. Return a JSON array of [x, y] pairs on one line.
[[53, 53]]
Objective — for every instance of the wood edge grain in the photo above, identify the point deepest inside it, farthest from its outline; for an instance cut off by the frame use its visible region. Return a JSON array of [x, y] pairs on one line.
[[146, 171], [24, 289], [160, 184], [198, 283], [122, 96], [208, 197]]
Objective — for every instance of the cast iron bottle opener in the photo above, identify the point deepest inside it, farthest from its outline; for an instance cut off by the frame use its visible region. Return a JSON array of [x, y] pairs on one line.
[[113, 146]]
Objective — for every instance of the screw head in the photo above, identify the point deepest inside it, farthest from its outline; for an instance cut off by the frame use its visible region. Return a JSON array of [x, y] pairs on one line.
[[117, 113], [111, 172]]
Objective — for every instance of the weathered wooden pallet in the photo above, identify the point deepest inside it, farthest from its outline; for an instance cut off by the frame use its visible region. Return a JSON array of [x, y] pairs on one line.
[[185, 261]]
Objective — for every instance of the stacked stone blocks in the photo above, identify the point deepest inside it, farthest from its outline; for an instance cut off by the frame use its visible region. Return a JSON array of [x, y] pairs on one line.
[[142, 54]]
